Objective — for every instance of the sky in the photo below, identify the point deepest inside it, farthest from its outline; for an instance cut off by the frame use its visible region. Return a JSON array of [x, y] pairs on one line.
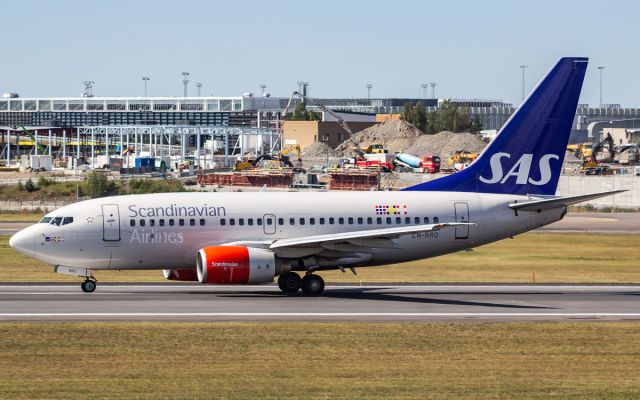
[[471, 49]]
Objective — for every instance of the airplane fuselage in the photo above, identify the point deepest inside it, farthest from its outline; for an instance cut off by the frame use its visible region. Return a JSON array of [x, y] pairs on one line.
[[165, 231]]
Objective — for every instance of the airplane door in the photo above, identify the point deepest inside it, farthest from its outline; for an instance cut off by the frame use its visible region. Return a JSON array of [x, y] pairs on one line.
[[110, 223], [269, 224], [462, 215]]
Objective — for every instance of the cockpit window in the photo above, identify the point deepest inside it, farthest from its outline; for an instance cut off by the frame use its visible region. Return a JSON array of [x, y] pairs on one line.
[[67, 220], [46, 220], [56, 221]]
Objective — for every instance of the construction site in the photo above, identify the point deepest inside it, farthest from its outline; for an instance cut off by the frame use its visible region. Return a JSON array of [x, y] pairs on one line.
[[344, 154]]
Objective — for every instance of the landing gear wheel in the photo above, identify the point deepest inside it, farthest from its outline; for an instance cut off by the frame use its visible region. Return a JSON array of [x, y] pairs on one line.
[[312, 285], [88, 286], [289, 283]]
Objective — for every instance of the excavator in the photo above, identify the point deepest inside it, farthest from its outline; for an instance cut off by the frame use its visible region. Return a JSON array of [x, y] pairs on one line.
[[280, 160], [591, 165], [461, 159]]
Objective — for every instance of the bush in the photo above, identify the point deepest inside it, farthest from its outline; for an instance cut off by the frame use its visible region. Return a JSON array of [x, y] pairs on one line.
[[97, 185], [30, 186], [141, 186], [43, 182], [20, 186]]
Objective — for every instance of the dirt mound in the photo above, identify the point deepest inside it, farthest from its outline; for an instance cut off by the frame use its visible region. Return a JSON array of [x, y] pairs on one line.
[[401, 136], [445, 144], [395, 135], [319, 149]]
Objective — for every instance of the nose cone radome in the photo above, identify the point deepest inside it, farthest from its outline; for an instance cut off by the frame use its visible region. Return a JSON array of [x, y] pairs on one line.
[[24, 242]]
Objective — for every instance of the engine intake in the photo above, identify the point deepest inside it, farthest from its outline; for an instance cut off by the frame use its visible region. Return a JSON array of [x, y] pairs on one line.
[[235, 265]]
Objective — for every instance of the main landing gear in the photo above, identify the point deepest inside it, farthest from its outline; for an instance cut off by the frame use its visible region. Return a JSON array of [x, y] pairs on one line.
[[311, 285], [89, 285]]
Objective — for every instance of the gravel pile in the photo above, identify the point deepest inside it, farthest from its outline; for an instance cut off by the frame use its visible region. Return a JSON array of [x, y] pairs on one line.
[[401, 136], [319, 149]]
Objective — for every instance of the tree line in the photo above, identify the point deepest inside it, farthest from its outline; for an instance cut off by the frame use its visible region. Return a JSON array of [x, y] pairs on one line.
[[448, 117]]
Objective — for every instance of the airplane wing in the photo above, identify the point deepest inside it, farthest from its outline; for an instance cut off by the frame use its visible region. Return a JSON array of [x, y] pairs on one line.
[[546, 204]]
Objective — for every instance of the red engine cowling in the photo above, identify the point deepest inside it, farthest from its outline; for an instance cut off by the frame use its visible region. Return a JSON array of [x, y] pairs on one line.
[[190, 275], [235, 265]]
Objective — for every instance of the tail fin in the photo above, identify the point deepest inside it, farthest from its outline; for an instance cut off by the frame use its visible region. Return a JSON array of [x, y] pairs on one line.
[[527, 155]]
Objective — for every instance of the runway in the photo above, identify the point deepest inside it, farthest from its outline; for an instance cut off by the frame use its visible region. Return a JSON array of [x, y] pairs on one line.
[[184, 302]]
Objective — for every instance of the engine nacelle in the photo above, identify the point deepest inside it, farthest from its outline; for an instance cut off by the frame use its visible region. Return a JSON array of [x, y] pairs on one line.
[[190, 275], [235, 265]]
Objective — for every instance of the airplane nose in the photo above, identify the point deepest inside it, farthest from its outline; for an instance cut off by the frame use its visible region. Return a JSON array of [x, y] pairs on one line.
[[24, 242]]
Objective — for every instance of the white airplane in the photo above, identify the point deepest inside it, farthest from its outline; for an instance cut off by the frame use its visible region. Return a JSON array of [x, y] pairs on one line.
[[250, 238]]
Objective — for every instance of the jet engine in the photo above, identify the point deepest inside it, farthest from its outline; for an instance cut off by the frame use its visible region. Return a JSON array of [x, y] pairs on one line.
[[190, 275], [235, 265]]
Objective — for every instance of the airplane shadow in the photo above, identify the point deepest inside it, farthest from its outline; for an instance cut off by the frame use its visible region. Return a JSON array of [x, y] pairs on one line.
[[374, 295]]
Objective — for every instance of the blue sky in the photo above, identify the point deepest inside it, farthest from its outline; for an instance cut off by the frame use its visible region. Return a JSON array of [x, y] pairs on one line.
[[472, 49]]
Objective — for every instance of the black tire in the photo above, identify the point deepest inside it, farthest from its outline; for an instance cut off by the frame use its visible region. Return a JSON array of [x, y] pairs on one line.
[[88, 286], [312, 285], [289, 283]]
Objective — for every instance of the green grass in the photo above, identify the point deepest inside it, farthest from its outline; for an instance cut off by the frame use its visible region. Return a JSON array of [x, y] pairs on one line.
[[18, 216], [582, 360], [553, 257]]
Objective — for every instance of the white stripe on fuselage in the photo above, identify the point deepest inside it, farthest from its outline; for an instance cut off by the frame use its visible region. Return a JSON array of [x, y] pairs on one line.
[[157, 247]]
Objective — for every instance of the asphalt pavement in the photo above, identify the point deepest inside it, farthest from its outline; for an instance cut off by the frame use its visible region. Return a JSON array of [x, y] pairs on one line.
[[194, 302]]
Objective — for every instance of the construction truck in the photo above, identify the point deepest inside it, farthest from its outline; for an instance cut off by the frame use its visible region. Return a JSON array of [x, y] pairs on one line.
[[462, 159], [405, 162], [592, 165], [627, 154], [267, 161]]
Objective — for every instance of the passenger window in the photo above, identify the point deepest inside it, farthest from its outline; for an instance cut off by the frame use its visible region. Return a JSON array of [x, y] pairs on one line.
[[350, 220], [322, 221], [56, 221], [67, 220], [223, 221], [232, 221], [181, 222], [388, 220], [398, 220], [132, 222], [240, 221], [280, 221], [161, 222], [407, 220], [192, 222], [171, 222], [312, 221], [360, 221], [341, 221], [269, 221], [201, 221], [369, 220], [417, 220], [331, 220], [259, 221], [250, 221], [292, 221], [426, 220], [436, 220], [152, 222], [142, 222], [379, 220], [301, 221]]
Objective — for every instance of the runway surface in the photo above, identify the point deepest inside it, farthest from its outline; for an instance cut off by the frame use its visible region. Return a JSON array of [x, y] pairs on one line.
[[184, 302]]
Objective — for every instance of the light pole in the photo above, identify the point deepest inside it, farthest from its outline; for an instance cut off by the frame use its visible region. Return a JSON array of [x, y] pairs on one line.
[[369, 86], [601, 68], [263, 88], [424, 87], [523, 67], [433, 89], [145, 79], [185, 82], [199, 86]]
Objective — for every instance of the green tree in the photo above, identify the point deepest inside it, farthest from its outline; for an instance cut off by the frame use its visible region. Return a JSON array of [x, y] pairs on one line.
[[302, 114], [29, 186], [42, 181], [20, 186]]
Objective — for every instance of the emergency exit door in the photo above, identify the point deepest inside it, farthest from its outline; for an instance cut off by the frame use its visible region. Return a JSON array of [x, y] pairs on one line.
[[462, 215], [110, 223]]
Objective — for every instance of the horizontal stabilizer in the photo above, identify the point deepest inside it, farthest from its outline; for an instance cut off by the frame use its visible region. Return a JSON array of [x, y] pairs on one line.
[[546, 204]]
